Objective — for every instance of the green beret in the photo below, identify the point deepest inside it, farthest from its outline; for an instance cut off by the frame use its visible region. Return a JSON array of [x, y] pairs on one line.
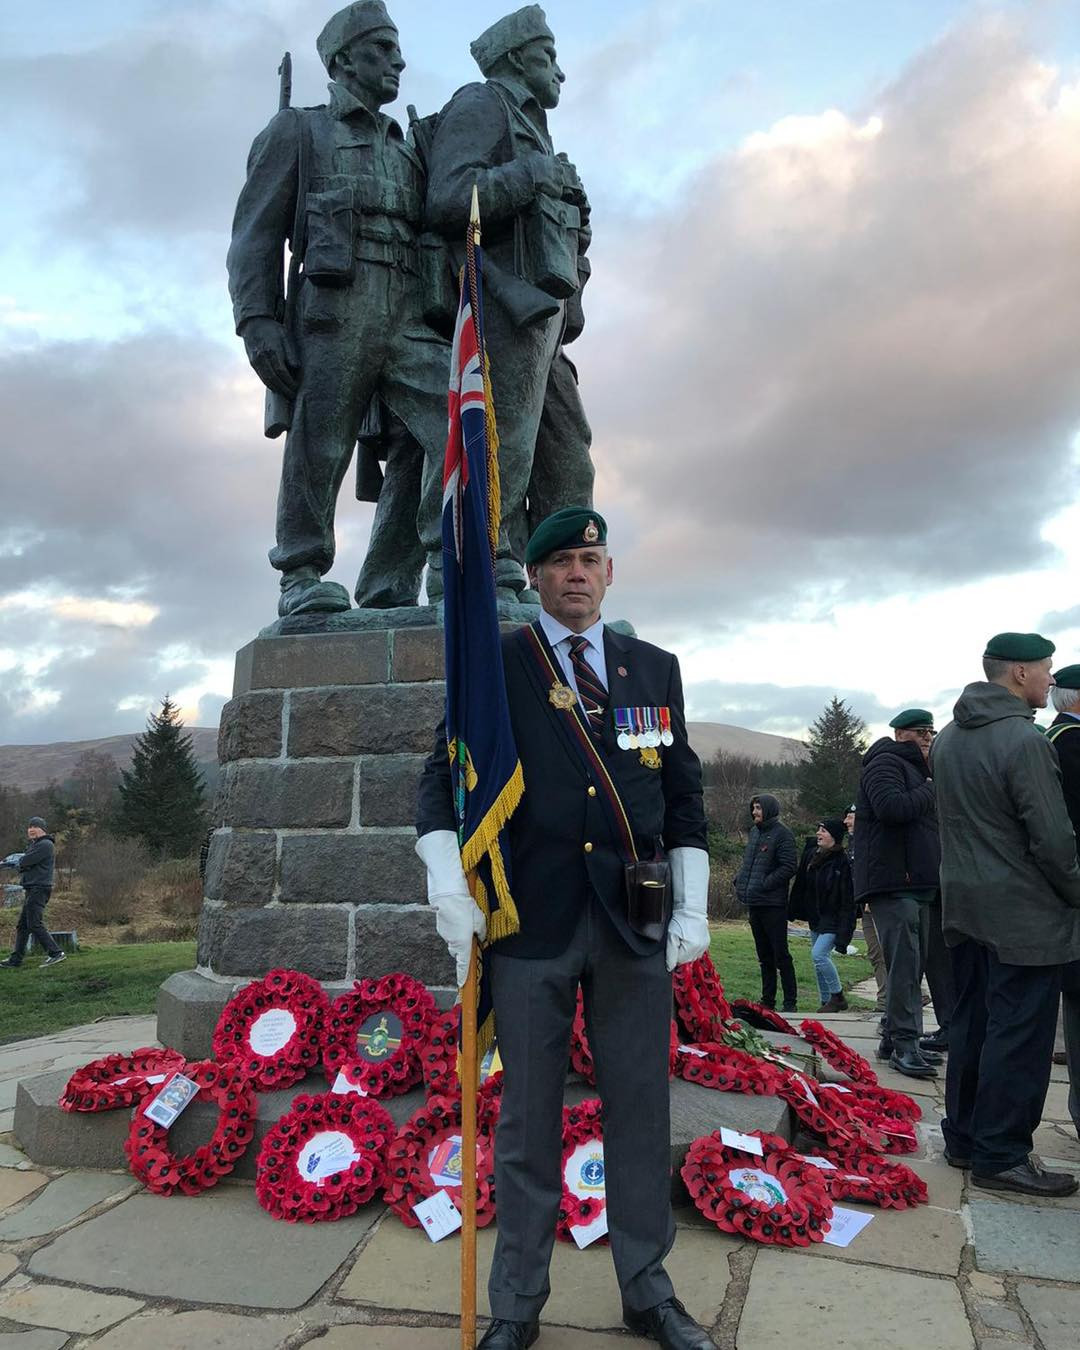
[[572, 527], [912, 717], [1019, 647], [1068, 677], [351, 22], [513, 31]]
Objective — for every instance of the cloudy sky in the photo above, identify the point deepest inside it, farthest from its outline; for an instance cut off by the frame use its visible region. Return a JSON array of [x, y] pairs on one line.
[[832, 360]]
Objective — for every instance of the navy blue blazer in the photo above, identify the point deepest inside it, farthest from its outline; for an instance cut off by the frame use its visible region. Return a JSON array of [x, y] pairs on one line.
[[552, 870]]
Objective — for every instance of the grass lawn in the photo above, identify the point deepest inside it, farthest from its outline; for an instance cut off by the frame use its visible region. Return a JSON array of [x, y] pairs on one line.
[[735, 959], [92, 983]]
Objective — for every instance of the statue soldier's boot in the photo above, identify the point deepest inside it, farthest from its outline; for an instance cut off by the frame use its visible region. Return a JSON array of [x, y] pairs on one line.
[[303, 591]]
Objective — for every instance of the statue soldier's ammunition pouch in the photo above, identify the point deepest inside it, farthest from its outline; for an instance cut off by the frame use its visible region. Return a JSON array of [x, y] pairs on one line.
[[328, 251], [549, 246], [437, 284]]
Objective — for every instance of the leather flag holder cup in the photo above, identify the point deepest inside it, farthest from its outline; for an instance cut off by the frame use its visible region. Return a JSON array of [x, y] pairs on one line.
[[648, 898]]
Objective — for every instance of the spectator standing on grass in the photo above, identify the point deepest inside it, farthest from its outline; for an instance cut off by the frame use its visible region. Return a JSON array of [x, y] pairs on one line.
[[762, 884], [1064, 736], [874, 953], [1011, 886], [896, 869], [36, 866], [823, 896]]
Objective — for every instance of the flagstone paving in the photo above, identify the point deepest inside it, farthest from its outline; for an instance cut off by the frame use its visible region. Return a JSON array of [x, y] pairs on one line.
[[88, 1259]]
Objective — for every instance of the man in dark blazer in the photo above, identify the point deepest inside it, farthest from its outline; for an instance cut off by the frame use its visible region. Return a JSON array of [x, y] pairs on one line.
[[601, 734]]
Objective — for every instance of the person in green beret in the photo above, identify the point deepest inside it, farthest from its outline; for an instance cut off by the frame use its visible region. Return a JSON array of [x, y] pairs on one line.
[[1011, 897], [600, 732], [1064, 735]]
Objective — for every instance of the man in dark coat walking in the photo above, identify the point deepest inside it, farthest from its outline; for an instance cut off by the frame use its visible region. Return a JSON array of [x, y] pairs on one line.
[[762, 882], [36, 867], [1011, 888], [896, 868], [576, 690], [1064, 735]]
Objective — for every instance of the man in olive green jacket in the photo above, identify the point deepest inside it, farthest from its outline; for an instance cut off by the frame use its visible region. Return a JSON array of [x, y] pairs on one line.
[[1011, 914]]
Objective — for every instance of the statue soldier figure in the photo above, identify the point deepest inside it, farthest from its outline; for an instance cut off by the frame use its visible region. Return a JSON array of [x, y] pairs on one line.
[[340, 184], [534, 216]]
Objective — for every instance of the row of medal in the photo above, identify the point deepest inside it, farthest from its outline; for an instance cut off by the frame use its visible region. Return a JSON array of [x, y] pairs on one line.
[[643, 728]]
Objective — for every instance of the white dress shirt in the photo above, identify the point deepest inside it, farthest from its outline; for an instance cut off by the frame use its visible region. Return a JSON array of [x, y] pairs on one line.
[[558, 635]]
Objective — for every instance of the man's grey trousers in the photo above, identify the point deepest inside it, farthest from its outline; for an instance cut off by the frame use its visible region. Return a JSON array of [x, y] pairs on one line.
[[903, 927], [628, 1023]]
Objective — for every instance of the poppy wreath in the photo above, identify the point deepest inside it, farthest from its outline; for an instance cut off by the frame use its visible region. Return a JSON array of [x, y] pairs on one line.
[[147, 1145], [765, 1019], [581, 1125], [726, 1069], [271, 1029], [777, 1198], [118, 1080], [833, 1051], [700, 1005], [865, 1175], [438, 1058], [899, 1131], [839, 1126], [581, 1059], [397, 1066], [291, 1180], [408, 1169]]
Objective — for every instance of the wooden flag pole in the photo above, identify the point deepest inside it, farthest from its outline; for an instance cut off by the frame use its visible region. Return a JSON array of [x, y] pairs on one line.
[[469, 1076]]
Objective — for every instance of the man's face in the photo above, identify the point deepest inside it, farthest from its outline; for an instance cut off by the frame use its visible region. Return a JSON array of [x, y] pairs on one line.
[[371, 67], [539, 71], [849, 821], [923, 737], [572, 583], [757, 813], [34, 832], [1036, 681]]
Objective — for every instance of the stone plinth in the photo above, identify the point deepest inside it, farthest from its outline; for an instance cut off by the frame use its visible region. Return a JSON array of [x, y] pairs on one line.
[[313, 866], [55, 1138]]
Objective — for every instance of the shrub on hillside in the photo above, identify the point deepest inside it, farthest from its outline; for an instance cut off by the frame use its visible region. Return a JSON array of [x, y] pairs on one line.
[[179, 886], [112, 871]]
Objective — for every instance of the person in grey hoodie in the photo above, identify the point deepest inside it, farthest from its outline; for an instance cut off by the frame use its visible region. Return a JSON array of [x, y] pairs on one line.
[[36, 866], [762, 882], [1011, 915]]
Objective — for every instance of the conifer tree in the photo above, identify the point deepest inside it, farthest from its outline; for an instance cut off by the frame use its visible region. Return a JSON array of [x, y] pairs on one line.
[[162, 794], [829, 778]]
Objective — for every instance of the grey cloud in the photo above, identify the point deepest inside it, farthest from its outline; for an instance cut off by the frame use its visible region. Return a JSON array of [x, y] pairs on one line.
[[784, 711], [846, 368], [1060, 621]]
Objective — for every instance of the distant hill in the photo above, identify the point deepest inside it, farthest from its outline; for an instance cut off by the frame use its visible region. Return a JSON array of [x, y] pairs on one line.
[[709, 737], [29, 767]]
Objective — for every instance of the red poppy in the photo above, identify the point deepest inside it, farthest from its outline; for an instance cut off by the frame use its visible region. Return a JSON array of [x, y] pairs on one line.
[[375, 1034], [272, 1028], [430, 1136], [119, 1080]]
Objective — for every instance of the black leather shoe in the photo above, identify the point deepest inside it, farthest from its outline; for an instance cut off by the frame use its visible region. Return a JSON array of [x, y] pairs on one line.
[[670, 1324], [503, 1335], [938, 1042], [789, 1007], [907, 1060], [885, 1050], [963, 1163], [1029, 1178]]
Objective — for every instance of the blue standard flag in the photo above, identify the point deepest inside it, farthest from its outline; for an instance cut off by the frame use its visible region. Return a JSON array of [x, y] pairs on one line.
[[485, 771]]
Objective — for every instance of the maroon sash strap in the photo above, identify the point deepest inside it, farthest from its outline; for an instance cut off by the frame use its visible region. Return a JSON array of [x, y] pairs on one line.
[[543, 668]]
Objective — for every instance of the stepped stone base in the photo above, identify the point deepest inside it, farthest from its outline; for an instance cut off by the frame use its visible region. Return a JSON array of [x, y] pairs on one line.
[[55, 1138]]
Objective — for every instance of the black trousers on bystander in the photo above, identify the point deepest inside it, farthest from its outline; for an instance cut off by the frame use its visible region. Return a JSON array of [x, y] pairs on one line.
[[32, 924], [1001, 1040], [768, 923]]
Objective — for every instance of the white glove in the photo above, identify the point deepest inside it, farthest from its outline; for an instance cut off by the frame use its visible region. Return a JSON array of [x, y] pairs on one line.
[[688, 931], [457, 915]]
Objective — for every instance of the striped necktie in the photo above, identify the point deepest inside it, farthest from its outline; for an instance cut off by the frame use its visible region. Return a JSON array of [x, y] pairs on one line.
[[593, 694]]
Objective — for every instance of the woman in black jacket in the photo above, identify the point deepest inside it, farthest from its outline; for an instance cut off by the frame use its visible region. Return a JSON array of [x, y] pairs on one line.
[[824, 896]]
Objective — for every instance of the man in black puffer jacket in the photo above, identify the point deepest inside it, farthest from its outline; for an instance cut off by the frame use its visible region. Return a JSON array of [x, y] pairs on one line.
[[896, 867], [36, 866], [762, 882]]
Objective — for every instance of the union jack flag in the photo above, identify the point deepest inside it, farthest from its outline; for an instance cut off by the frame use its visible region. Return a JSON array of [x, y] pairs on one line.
[[485, 771]]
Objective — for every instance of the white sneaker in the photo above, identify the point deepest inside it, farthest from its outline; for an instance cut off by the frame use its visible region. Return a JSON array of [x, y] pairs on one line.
[[53, 960]]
